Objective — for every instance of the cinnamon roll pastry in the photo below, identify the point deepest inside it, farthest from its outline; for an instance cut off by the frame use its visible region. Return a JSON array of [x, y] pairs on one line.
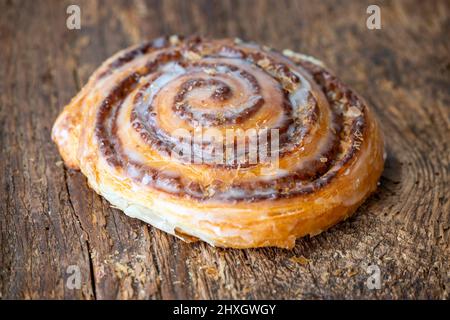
[[224, 141]]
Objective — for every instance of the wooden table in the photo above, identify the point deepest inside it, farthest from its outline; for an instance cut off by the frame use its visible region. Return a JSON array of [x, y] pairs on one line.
[[50, 219]]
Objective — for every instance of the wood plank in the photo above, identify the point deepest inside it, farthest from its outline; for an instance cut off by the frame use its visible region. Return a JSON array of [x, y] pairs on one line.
[[50, 219]]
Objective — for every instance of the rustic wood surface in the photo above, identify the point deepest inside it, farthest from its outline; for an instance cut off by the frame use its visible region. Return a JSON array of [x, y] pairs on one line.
[[50, 219]]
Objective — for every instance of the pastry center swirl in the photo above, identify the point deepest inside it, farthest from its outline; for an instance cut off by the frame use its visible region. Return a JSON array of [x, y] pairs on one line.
[[217, 95]]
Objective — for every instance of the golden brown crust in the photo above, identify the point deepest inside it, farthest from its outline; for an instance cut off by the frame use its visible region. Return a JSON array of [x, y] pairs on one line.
[[120, 132]]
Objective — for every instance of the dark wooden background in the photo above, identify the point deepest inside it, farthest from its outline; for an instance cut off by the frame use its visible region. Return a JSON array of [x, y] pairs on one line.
[[50, 219]]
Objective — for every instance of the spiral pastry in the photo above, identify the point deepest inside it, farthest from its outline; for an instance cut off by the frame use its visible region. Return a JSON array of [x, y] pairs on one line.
[[224, 141]]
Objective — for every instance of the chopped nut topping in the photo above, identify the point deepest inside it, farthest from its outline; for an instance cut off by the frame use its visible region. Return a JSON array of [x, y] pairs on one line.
[[264, 63], [174, 40], [288, 53], [191, 55], [353, 112], [209, 71]]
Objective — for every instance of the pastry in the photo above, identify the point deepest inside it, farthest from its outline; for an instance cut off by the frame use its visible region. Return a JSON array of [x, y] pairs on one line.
[[224, 141]]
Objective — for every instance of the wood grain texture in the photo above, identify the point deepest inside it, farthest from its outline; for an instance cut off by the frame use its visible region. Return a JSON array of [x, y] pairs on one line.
[[50, 219]]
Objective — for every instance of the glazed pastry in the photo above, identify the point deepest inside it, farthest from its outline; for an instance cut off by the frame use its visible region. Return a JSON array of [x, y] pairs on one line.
[[224, 141]]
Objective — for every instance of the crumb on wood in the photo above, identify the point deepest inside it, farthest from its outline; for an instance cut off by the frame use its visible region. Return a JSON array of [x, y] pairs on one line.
[[300, 260], [210, 271], [351, 272]]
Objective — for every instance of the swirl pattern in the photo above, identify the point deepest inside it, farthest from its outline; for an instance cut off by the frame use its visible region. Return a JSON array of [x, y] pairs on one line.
[[127, 120]]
